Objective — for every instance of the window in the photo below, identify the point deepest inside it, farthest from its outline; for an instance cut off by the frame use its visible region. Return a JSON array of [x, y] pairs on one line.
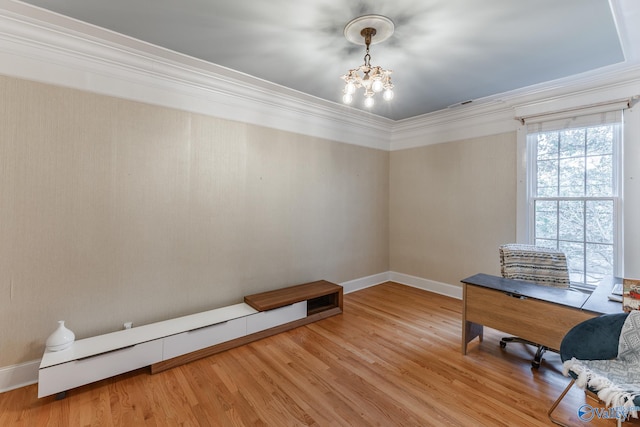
[[573, 192]]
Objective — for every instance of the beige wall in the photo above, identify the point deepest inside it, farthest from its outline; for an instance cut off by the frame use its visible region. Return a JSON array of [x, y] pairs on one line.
[[451, 205], [114, 211]]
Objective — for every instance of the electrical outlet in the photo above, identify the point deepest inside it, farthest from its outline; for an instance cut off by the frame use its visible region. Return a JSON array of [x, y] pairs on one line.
[[127, 325]]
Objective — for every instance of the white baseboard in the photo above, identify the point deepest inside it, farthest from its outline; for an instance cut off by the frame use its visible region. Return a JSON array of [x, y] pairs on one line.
[[16, 376], [446, 289], [426, 284], [364, 282]]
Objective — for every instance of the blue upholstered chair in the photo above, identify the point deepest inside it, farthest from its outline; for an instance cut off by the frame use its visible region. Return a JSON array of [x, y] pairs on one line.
[[594, 339], [540, 265]]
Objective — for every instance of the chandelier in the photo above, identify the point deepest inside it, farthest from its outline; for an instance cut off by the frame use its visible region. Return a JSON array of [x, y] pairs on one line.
[[374, 79]]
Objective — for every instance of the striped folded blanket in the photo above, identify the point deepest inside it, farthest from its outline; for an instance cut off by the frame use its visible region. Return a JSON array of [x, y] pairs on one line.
[[536, 264]]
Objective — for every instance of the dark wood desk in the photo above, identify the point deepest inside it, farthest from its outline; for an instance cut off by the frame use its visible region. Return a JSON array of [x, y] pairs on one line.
[[599, 302], [536, 313]]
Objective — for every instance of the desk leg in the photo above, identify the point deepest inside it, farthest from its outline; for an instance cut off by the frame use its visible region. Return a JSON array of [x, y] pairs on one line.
[[470, 330]]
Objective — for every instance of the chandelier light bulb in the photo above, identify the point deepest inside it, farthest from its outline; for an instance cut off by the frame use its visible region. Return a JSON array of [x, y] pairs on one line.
[[377, 85], [368, 101], [372, 78], [350, 88]]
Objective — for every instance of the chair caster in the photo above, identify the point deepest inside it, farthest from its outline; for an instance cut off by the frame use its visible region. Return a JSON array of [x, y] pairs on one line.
[[535, 363]]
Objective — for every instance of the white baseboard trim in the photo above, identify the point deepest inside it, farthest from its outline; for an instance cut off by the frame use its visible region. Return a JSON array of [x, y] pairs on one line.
[[426, 284], [364, 282], [446, 289], [16, 376]]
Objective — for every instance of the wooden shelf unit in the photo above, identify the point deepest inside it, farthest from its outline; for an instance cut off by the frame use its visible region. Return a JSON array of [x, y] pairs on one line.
[[323, 299]]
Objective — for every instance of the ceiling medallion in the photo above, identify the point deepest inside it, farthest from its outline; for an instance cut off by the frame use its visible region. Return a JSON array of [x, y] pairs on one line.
[[367, 30]]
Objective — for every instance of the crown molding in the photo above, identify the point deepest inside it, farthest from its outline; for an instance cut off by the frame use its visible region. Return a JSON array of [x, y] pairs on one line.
[[453, 125], [500, 113], [43, 46]]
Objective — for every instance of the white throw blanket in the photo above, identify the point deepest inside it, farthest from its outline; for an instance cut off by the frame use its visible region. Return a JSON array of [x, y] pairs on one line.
[[616, 381]]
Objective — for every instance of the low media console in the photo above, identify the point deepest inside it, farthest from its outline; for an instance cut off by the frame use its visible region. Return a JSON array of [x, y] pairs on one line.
[[170, 343]]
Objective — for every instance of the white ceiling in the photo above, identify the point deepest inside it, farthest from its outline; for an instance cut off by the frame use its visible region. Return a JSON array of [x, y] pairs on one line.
[[443, 52]]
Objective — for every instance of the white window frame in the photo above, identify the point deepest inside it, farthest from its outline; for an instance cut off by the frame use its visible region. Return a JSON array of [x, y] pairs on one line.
[[526, 174]]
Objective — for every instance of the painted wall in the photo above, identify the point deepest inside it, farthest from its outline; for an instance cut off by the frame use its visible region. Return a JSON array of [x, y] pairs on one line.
[[451, 206], [631, 193], [114, 211]]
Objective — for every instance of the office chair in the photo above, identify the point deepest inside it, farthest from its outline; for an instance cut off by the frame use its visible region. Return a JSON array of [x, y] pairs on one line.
[[543, 266], [599, 355]]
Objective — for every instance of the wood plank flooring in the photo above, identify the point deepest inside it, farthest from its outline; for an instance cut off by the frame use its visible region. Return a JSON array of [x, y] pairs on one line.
[[391, 359]]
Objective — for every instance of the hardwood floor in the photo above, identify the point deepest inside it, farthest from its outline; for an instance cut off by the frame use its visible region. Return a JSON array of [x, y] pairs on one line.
[[391, 359]]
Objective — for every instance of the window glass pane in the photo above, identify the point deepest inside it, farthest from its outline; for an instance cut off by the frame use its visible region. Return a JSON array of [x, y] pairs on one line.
[[600, 176], [546, 243], [575, 260], [599, 221], [600, 140], [547, 146], [599, 262], [572, 168], [571, 220], [546, 220], [572, 142], [572, 175], [547, 178], [576, 276]]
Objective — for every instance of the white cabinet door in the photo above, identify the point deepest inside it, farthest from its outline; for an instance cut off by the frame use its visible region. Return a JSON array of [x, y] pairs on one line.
[[186, 342], [75, 373], [278, 316]]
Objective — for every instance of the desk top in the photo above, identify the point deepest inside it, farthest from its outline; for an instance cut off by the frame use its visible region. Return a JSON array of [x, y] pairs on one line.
[[599, 301], [567, 297], [596, 302]]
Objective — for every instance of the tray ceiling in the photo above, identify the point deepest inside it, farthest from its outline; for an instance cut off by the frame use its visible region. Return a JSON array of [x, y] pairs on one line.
[[443, 52]]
